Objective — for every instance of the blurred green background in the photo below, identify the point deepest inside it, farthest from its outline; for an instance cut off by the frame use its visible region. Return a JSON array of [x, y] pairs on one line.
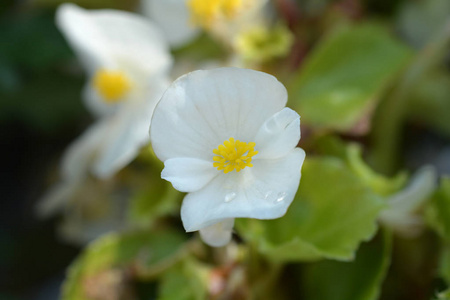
[[41, 113]]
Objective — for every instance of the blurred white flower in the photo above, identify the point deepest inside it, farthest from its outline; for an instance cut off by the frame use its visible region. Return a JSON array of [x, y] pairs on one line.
[[127, 61], [227, 139], [401, 214], [173, 17], [182, 20]]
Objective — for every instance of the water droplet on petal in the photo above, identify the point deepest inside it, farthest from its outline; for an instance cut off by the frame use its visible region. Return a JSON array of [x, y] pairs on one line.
[[268, 195], [281, 196], [230, 196]]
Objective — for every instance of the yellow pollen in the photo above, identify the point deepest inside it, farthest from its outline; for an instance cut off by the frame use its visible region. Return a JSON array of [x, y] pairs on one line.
[[205, 13], [234, 155], [111, 85]]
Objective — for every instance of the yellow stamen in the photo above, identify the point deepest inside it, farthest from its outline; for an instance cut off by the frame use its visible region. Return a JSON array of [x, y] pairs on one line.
[[205, 13], [234, 155], [111, 85]]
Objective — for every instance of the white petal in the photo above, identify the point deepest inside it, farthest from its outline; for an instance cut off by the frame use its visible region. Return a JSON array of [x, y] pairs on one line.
[[96, 104], [106, 147], [113, 141], [75, 166], [219, 234], [56, 198], [81, 153], [127, 132], [421, 186], [278, 135], [188, 174], [202, 109], [109, 38], [263, 191], [173, 17], [400, 215]]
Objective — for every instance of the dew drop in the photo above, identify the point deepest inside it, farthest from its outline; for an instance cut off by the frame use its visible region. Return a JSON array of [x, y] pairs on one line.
[[230, 196], [268, 195], [281, 196]]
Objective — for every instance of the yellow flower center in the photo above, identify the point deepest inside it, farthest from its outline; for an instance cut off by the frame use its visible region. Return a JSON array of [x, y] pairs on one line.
[[234, 155], [111, 85], [206, 12]]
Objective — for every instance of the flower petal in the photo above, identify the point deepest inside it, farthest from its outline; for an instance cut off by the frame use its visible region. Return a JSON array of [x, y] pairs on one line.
[[219, 234], [80, 154], [263, 191], [96, 104], [278, 135], [56, 198], [202, 109], [173, 17], [401, 214], [106, 38], [421, 186], [188, 174], [128, 132], [107, 146]]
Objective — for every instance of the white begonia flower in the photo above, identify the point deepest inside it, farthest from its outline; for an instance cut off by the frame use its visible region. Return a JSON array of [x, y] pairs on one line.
[[226, 138], [182, 20], [173, 17], [401, 214], [127, 60]]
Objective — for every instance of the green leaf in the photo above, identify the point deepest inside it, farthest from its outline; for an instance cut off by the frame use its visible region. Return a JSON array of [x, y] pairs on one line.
[[330, 145], [380, 184], [332, 213], [341, 79], [390, 117], [357, 280], [187, 280], [352, 153], [158, 200], [144, 252], [153, 197], [438, 212]]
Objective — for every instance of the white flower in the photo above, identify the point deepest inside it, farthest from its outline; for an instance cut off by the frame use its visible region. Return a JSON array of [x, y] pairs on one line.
[[227, 139], [127, 61], [401, 214], [182, 20], [173, 17]]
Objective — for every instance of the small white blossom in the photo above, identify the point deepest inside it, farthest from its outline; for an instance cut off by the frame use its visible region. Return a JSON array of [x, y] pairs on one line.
[[173, 17], [401, 214], [182, 20], [127, 61], [227, 139]]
